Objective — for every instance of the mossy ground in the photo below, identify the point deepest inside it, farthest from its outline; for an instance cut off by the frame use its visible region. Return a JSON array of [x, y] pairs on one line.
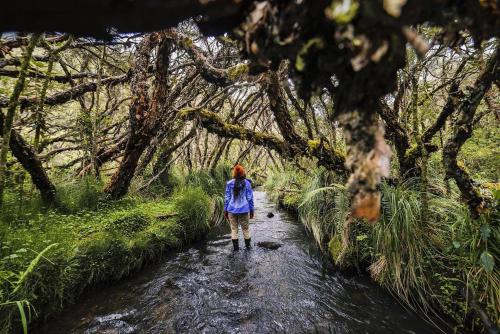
[[102, 242]]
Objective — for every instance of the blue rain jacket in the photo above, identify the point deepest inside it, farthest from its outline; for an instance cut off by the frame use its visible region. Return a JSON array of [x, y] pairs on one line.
[[244, 202]]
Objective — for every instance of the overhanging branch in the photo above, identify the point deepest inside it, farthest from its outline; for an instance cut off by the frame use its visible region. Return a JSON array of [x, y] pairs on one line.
[[326, 156], [67, 95]]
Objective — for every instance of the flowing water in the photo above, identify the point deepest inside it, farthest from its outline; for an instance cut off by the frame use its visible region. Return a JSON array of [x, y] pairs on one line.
[[209, 289]]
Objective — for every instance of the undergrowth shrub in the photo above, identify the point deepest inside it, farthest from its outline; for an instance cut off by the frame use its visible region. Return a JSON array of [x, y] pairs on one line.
[[193, 209], [80, 194]]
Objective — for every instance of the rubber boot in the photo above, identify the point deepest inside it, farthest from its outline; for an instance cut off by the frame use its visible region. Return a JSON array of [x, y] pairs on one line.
[[236, 246], [248, 243]]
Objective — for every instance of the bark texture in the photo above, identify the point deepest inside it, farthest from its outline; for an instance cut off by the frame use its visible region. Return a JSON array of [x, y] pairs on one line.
[[27, 157], [145, 110], [462, 130]]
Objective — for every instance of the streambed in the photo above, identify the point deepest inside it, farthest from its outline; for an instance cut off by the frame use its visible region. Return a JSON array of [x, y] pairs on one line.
[[209, 289]]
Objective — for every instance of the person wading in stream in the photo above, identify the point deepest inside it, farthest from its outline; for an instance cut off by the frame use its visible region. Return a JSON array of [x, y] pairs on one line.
[[238, 205]]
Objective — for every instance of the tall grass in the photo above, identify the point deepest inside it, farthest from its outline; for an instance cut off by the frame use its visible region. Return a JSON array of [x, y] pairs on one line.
[[15, 282], [404, 245], [436, 261], [324, 207], [192, 208]]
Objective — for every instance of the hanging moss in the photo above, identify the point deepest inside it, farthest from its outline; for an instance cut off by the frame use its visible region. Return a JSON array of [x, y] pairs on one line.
[[238, 71], [342, 11], [300, 62], [335, 247]]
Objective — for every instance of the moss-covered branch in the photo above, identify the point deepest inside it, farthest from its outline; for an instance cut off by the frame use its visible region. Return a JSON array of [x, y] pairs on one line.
[[67, 95], [12, 105], [328, 157], [209, 72]]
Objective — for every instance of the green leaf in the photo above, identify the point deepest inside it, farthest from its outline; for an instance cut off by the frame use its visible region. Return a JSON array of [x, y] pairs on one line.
[[487, 261], [485, 232], [31, 267], [23, 317], [456, 244], [496, 194], [361, 237]]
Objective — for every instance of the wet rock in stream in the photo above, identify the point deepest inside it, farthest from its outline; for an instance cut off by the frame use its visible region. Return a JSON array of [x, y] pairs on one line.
[[269, 244]]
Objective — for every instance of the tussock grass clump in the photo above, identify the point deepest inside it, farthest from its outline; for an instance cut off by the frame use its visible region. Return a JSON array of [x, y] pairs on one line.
[[324, 206], [193, 209], [438, 259], [285, 186], [403, 245]]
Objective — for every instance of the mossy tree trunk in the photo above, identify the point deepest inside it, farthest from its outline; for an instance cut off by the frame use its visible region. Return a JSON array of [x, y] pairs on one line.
[[144, 111], [11, 111], [462, 130], [27, 157]]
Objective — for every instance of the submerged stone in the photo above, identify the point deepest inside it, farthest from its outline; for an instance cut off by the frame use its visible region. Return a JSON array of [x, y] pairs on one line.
[[269, 244], [270, 215]]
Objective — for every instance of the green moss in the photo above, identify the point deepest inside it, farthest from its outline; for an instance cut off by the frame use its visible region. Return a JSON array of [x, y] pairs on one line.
[[491, 185], [188, 110], [238, 71], [313, 144], [232, 128], [94, 246], [411, 151], [300, 62], [187, 42], [340, 153], [129, 224], [342, 11], [335, 246], [102, 257]]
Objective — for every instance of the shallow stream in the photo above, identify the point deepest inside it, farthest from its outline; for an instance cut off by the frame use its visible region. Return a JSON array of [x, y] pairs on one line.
[[209, 289]]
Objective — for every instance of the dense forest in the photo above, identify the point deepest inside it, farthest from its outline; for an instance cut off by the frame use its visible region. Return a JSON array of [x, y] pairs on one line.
[[376, 123]]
